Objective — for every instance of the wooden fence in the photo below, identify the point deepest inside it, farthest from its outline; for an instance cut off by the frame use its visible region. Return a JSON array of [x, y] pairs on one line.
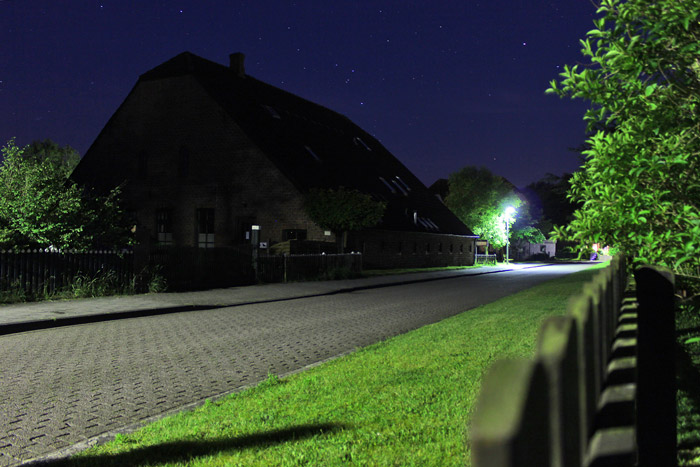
[[39, 271], [308, 267], [601, 388]]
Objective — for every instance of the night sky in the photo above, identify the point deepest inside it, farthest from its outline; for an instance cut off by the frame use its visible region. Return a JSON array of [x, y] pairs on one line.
[[441, 83]]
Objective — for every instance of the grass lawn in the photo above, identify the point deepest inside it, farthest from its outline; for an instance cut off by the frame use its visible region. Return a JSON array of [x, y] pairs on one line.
[[404, 401]]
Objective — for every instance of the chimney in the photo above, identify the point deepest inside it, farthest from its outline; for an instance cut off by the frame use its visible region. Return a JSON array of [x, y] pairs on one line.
[[236, 63]]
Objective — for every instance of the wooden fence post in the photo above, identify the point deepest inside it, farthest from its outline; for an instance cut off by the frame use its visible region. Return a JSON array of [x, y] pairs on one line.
[[511, 421], [656, 384], [557, 348]]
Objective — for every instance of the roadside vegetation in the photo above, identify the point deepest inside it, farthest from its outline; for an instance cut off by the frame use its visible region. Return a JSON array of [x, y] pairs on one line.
[[85, 286], [404, 401], [688, 371]]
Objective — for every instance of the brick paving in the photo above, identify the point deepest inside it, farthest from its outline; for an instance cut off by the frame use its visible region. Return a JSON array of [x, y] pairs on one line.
[[67, 385]]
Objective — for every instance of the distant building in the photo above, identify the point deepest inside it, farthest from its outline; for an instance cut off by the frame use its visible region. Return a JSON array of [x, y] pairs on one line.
[[205, 151]]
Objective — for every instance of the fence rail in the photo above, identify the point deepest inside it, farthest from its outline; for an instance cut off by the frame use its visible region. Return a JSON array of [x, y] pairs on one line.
[[306, 267], [40, 271], [601, 389]]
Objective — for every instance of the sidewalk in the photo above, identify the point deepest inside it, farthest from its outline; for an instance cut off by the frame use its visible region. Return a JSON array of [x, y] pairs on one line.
[[41, 315]]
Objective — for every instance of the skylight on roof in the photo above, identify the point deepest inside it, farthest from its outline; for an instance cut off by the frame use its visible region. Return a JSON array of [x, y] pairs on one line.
[[433, 224], [405, 185], [312, 153], [273, 113], [387, 185], [358, 141], [401, 189]]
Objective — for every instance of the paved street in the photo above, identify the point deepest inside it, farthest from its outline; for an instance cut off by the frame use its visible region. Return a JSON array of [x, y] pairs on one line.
[[65, 385]]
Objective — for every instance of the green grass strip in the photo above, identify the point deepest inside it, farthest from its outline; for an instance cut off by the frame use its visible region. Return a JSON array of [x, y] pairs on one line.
[[405, 401]]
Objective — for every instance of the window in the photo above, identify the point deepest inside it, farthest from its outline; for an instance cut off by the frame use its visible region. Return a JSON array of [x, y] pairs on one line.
[[415, 247], [205, 228], [273, 113], [164, 227], [400, 250], [312, 153], [461, 248], [432, 224], [440, 247], [451, 248], [358, 142], [401, 189], [386, 184], [427, 248], [405, 185], [293, 234]]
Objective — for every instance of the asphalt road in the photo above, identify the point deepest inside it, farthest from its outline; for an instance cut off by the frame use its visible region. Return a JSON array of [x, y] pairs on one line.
[[61, 387]]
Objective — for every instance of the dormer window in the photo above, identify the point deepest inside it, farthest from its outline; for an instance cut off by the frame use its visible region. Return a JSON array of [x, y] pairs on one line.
[[273, 113], [387, 185], [358, 141], [312, 154]]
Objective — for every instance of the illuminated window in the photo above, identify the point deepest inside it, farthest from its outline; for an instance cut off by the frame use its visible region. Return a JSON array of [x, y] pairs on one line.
[[205, 228], [164, 227]]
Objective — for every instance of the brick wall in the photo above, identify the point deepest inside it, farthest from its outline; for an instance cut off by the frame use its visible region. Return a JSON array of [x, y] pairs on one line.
[[178, 150], [388, 249]]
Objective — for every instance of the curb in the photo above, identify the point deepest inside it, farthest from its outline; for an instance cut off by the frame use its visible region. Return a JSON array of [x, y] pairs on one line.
[[37, 325]]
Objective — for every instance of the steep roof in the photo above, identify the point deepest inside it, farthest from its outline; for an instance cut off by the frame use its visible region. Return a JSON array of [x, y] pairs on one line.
[[315, 147]]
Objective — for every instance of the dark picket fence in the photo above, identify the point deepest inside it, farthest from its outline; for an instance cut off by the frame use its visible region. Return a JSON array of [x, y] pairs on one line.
[[308, 267], [601, 388], [43, 271]]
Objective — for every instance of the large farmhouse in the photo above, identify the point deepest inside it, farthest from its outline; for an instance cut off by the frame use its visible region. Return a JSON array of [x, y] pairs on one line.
[[204, 152]]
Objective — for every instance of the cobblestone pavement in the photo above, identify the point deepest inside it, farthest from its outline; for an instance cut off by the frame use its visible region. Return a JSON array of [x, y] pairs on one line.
[[65, 385]]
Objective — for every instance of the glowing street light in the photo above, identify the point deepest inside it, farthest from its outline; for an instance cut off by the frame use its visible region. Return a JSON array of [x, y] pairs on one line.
[[510, 210]]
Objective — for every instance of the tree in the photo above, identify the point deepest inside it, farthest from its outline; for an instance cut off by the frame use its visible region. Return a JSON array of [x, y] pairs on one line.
[[479, 199], [549, 203], [40, 207], [640, 184], [342, 210]]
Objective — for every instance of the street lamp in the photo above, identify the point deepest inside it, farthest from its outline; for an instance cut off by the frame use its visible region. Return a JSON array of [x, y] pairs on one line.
[[510, 210]]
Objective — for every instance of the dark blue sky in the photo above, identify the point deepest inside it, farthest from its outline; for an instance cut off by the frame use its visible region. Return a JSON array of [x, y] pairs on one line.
[[442, 84]]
